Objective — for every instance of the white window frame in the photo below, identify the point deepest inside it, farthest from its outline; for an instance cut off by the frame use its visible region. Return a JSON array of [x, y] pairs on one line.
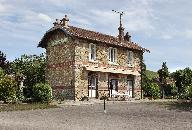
[[92, 57], [112, 56], [130, 58]]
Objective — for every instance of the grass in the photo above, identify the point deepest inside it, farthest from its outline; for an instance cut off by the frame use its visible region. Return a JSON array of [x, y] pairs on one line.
[[22, 107], [180, 106]]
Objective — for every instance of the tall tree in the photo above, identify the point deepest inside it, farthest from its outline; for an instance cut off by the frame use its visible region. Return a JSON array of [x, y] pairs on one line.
[[4, 64], [163, 75], [2, 60]]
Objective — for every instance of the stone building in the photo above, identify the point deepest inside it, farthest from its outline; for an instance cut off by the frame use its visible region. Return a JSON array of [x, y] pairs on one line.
[[83, 63]]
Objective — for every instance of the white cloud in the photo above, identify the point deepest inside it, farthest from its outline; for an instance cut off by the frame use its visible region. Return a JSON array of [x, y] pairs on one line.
[[44, 17]]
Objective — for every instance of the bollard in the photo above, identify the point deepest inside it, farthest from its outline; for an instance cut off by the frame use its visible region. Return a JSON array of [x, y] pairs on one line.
[[104, 105]]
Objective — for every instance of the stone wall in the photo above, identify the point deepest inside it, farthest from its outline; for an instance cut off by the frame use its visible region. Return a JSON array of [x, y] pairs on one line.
[[60, 64], [81, 75]]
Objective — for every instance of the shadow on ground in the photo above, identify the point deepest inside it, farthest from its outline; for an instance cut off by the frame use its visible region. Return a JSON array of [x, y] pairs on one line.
[[179, 106]]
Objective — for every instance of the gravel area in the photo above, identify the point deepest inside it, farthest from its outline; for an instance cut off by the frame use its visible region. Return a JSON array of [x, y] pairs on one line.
[[127, 116]]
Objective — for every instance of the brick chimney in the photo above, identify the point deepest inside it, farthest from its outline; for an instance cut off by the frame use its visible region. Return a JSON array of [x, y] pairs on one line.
[[64, 21], [127, 37]]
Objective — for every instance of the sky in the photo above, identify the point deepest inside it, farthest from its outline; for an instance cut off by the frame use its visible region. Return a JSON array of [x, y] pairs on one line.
[[162, 26]]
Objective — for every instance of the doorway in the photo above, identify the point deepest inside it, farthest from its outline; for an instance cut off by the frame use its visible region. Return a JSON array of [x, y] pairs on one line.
[[113, 86], [92, 87], [130, 88]]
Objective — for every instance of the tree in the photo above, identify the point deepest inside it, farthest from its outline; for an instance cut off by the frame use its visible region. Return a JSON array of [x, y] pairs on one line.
[[32, 67], [4, 64], [183, 79], [163, 75], [146, 82]]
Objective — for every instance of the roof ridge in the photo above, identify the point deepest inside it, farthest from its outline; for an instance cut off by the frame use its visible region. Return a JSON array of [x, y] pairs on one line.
[[93, 31]]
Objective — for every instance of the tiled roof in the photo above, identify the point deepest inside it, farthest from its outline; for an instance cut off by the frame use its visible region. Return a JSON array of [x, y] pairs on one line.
[[94, 36]]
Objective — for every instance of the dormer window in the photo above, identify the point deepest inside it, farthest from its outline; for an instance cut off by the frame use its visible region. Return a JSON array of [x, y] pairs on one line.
[[130, 58], [92, 52], [112, 54]]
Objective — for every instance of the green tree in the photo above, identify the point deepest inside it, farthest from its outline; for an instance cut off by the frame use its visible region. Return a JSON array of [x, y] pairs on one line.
[[4, 64], [163, 75], [146, 82], [32, 67], [183, 79]]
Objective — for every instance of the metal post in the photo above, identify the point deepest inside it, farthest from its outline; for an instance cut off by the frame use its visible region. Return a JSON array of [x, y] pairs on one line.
[[104, 105]]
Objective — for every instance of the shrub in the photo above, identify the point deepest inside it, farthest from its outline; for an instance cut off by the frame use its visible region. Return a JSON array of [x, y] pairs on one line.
[[152, 90], [8, 89], [189, 92], [155, 91], [42, 92]]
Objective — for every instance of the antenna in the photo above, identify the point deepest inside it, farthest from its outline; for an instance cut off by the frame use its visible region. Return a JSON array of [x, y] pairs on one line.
[[121, 14]]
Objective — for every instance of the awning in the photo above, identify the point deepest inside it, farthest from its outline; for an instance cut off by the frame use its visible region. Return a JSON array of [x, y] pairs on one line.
[[111, 70]]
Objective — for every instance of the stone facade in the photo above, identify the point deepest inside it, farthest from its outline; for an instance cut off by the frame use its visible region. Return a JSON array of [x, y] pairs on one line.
[[71, 72]]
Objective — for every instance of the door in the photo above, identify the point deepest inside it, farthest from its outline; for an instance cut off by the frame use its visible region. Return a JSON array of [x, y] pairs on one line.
[[92, 87], [130, 88], [113, 86]]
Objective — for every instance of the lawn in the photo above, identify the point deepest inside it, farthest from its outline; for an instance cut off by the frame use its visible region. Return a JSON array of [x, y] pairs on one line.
[[22, 107]]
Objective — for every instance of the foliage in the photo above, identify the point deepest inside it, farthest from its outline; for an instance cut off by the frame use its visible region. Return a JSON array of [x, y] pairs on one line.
[[4, 64], [8, 89], [42, 92], [149, 87], [152, 90], [2, 59], [32, 67], [151, 74], [163, 75], [189, 92], [1, 73], [183, 80]]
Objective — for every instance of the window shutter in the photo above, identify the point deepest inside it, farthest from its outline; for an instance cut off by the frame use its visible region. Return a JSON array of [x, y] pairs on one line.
[[90, 51], [132, 58], [94, 52], [115, 54], [109, 54]]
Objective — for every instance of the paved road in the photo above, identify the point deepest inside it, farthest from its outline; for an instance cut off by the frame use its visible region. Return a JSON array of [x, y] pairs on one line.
[[127, 116]]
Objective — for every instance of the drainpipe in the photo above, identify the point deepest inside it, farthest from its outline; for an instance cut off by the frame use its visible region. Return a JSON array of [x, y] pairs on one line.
[[141, 64]]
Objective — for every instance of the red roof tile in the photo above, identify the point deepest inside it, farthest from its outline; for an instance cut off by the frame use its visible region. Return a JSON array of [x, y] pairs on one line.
[[92, 35]]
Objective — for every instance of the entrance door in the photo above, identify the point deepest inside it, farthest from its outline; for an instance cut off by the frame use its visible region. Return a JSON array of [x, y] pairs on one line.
[[130, 88], [92, 87], [113, 86]]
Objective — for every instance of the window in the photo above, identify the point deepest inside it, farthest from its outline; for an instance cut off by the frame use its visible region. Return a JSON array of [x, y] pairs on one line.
[[112, 54], [92, 52], [130, 59]]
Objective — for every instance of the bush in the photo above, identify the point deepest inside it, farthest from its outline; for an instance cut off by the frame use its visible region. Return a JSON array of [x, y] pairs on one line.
[[151, 89], [155, 91], [42, 92], [189, 92], [8, 89]]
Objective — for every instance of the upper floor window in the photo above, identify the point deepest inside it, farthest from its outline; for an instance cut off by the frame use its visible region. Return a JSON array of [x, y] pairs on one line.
[[112, 54], [130, 58], [92, 52]]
